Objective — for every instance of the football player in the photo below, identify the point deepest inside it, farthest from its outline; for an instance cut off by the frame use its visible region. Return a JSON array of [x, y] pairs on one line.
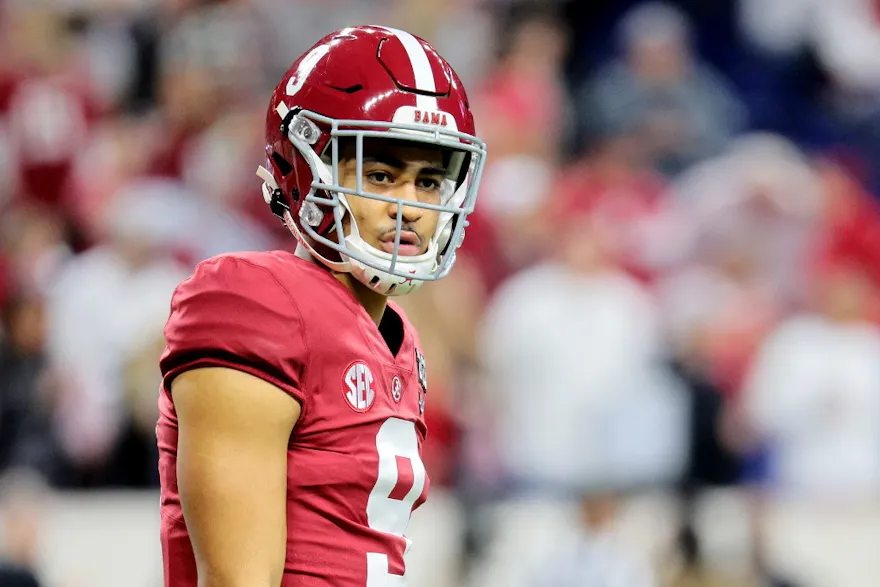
[[293, 395]]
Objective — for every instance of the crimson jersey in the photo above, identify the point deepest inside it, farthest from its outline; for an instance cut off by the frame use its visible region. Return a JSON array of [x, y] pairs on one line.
[[354, 458]]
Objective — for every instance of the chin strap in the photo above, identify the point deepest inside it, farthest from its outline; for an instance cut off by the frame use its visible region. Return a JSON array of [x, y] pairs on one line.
[[274, 197], [269, 183], [272, 194]]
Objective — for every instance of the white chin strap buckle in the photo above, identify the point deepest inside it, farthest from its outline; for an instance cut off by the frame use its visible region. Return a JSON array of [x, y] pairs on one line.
[[269, 183]]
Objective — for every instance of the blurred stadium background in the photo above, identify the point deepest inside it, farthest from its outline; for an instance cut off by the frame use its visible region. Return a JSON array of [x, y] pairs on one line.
[[657, 363]]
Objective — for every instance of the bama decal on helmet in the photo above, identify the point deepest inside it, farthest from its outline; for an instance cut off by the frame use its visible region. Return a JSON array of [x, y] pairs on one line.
[[431, 118]]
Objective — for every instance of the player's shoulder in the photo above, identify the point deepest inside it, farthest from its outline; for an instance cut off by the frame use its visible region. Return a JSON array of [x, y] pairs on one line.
[[253, 275], [236, 311]]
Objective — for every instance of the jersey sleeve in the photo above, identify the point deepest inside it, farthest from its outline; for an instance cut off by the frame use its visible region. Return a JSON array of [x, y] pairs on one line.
[[234, 313]]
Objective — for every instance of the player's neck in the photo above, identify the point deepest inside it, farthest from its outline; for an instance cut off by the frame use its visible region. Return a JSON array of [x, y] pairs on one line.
[[374, 303]]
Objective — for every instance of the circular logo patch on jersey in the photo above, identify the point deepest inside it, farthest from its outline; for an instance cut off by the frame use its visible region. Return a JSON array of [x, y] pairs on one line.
[[357, 386], [396, 389]]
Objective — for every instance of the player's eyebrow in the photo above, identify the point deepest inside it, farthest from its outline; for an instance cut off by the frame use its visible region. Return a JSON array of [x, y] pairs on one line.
[[397, 163]]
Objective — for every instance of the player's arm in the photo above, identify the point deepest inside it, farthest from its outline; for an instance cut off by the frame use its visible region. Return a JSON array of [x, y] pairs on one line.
[[232, 474]]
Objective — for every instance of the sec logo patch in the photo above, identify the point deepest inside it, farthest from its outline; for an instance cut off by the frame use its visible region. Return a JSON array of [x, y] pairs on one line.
[[357, 387]]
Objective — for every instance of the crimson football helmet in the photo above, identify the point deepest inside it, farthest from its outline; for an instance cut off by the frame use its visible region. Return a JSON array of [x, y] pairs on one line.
[[368, 82]]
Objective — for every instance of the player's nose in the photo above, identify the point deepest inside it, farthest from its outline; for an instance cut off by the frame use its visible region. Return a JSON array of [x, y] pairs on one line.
[[405, 192]]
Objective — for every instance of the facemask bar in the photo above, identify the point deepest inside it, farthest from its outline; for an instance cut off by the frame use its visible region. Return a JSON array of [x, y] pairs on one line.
[[453, 204]]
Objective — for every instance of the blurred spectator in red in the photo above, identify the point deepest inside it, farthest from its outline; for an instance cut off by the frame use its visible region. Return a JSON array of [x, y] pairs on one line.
[[813, 394], [680, 108], [521, 109], [45, 100], [190, 101], [850, 223], [521, 106], [613, 184]]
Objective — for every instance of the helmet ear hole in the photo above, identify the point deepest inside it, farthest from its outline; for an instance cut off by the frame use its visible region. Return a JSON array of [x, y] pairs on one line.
[[284, 166]]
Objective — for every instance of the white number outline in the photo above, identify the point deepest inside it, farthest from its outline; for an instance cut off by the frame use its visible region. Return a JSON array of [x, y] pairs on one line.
[[396, 438]]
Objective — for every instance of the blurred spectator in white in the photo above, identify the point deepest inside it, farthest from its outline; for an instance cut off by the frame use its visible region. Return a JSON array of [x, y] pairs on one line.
[[844, 35], [781, 27], [847, 34], [22, 498], [744, 226], [107, 304], [572, 351], [660, 90], [579, 400], [591, 553], [814, 393]]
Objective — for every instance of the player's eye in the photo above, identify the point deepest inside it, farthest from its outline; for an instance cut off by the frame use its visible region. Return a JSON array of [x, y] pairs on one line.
[[380, 177], [428, 184]]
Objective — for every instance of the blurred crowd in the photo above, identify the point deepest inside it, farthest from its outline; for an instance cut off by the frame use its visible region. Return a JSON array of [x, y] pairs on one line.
[[672, 279]]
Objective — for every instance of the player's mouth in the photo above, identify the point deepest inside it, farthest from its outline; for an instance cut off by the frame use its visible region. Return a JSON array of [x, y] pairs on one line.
[[410, 244]]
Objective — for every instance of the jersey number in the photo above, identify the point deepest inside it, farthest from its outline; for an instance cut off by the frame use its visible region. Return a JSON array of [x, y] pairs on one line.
[[399, 484]]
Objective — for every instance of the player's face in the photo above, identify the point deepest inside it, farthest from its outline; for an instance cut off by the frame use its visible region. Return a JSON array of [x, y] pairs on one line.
[[408, 171]]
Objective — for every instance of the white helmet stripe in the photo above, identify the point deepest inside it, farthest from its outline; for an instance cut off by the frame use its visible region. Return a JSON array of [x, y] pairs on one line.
[[422, 71]]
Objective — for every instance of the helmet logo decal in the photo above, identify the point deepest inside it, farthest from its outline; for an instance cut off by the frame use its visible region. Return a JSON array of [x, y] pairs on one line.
[[306, 66]]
